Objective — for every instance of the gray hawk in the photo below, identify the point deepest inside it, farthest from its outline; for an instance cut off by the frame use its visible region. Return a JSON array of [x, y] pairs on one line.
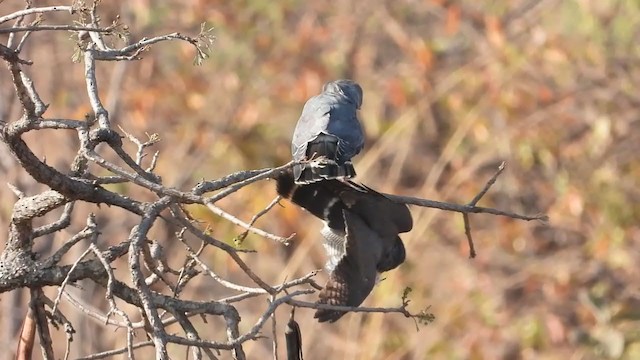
[[328, 132]]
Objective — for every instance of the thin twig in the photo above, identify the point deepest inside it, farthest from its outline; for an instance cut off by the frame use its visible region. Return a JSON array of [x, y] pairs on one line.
[[222, 281], [89, 231], [228, 249], [473, 202], [251, 334], [191, 333], [67, 277], [97, 315], [488, 185], [99, 111], [19, 22], [274, 333], [113, 308], [462, 208], [17, 29], [111, 353], [225, 215], [240, 238], [467, 232]]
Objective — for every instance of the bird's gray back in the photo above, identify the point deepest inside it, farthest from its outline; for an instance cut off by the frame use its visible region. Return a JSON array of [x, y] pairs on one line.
[[313, 120], [332, 114]]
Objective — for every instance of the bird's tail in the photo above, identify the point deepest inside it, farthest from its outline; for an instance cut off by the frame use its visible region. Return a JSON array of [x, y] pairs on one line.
[[325, 170], [325, 163]]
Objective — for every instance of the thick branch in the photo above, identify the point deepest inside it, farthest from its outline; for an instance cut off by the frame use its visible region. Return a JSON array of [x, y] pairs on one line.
[[71, 188], [137, 237]]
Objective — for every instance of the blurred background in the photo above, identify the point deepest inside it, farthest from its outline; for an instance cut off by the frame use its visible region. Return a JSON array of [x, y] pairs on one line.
[[451, 89]]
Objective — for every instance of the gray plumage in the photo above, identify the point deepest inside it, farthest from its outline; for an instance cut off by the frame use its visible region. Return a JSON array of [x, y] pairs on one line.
[[329, 131]]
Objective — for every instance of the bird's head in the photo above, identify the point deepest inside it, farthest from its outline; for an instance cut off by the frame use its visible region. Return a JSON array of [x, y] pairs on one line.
[[349, 88]]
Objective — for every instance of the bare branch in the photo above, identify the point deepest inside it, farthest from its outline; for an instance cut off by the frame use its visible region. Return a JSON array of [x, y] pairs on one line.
[[31, 11], [465, 209], [111, 353], [137, 237], [469, 208], [68, 276], [488, 185], [243, 183], [113, 308], [467, 232], [473, 202], [19, 22], [255, 218], [26, 35], [89, 231], [62, 223], [37, 308], [92, 88], [228, 249], [222, 281], [193, 335], [17, 29], [274, 333], [225, 215]]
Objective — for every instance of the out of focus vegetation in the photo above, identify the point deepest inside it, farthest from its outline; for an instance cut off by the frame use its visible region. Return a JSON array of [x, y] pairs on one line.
[[452, 88]]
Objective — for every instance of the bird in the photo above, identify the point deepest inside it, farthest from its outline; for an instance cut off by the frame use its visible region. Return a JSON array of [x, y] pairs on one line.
[[360, 236], [328, 133]]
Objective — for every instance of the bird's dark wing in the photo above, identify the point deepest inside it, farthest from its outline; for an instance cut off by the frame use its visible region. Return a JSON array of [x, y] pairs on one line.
[[343, 119], [392, 256], [386, 217], [318, 198], [327, 199], [344, 124], [355, 274]]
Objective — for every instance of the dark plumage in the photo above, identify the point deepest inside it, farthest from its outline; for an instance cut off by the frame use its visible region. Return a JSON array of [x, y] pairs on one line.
[[355, 273], [328, 132], [360, 236], [293, 338]]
